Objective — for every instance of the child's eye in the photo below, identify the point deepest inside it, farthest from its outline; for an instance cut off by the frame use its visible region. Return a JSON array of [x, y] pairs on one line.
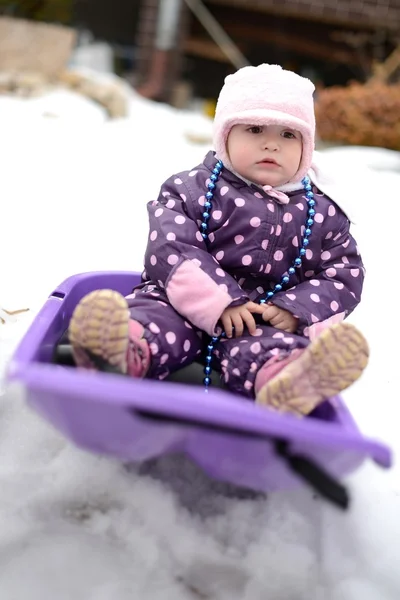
[[288, 134], [255, 129]]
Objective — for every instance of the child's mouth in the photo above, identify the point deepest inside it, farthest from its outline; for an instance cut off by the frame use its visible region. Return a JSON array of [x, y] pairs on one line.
[[268, 161]]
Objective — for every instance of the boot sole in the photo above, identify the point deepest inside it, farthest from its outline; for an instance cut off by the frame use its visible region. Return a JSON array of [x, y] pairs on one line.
[[330, 364], [99, 332]]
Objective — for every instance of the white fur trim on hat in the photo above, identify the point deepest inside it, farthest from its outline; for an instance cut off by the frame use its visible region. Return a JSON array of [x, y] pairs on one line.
[[266, 95]]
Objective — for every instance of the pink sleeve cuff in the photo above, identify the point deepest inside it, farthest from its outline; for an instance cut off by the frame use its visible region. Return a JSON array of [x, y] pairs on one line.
[[197, 297]]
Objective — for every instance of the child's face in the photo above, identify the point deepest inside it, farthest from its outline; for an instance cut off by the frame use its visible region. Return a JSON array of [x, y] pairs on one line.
[[266, 155]]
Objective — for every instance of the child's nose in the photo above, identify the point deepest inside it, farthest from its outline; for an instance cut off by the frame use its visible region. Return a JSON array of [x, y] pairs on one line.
[[271, 143]]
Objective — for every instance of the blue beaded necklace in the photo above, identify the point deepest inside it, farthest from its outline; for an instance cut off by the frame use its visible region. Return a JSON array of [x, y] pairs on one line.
[[284, 279]]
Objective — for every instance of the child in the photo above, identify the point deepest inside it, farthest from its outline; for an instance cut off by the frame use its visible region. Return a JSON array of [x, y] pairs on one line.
[[242, 243]]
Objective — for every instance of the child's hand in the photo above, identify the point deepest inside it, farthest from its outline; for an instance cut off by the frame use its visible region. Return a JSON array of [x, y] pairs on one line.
[[238, 316], [280, 318]]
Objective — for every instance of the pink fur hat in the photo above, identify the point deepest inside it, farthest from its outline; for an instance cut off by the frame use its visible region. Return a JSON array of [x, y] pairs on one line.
[[266, 95]]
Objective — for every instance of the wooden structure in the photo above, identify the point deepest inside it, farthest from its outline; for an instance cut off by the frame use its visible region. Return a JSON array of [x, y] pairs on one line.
[[337, 41]]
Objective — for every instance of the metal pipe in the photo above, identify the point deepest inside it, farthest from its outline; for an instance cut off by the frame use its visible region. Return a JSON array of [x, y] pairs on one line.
[[218, 34]]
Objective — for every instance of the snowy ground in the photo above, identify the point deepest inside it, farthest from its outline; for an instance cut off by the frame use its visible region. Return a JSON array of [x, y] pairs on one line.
[[74, 526]]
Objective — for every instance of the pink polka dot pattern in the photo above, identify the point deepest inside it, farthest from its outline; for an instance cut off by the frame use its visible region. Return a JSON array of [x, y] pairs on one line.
[[153, 348], [164, 359], [186, 345], [239, 202], [220, 272], [223, 287], [171, 236], [154, 328], [319, 218], [268, 268], [211, 237], [170, 204], [248, 385], [234, 351], [271, 207], [278, 230], [278, 255], [178, 181], [309, 273], [180, 220], [201, 200], [331, 211], [314, 319], [216, 215], [264, 244], [199, 237], [172, 259], [338, 285], [153, 235], [224, 190], [309, 254], [287, 217], [326, 255], [278, 335], [331, 272], [315, 282], [255, 222], [291, 296], [236, 372], [247, 260], [193, 173], [258, 332], [255, 348], [334, 305], [170, 337], [153, 260], [345, 260], [166, 194], [158, 212], [295, 241], [239, 239], [220, 255], [355, 272], [329, 235], [258, 195], [300, 206], [315, 297]]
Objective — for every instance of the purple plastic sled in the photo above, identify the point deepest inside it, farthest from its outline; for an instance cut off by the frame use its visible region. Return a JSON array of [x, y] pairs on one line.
[[230, 438]]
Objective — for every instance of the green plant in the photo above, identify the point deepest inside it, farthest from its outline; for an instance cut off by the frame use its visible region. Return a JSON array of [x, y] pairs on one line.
[[53, 11]]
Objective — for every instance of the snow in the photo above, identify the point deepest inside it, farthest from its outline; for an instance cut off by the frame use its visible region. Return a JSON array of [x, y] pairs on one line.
[[73, 526]]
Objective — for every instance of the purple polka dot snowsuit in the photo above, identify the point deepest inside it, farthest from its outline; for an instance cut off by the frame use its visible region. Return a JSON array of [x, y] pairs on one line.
[[253, 240]]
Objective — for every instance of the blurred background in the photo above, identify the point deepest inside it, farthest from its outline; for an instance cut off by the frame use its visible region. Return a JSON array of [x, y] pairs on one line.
[[179, 51]]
